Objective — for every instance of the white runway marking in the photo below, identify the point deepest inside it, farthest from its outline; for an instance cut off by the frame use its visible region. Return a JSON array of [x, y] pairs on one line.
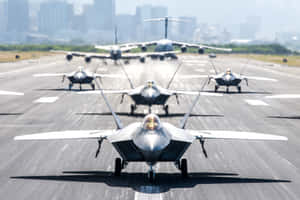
[[10, 93], [46, 100], [148, 193], [200, 70], [256, 102], [284, 96]]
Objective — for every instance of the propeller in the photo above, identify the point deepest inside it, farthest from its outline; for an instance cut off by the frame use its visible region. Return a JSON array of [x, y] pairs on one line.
[[202, 142], [99, 147]]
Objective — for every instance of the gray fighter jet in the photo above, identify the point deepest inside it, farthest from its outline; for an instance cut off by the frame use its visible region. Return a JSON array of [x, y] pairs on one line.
[[81, 77], [150, 141], [150, 94], [229, 79]]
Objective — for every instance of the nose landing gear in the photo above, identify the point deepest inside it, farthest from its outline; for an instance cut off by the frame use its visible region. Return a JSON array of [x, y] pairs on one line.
[[151, 174], [166, 109], [132, 108]]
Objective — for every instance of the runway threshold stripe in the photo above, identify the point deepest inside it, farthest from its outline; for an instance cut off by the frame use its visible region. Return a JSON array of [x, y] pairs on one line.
[[256, 102], [148, 193], [46, 100], [284, 96]]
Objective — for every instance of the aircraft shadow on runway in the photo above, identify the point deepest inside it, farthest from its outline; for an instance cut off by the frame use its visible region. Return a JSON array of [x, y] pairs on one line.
[[165, 181], [11, 114], [142, 115], [284, 117], [235, 92], [64, 89]]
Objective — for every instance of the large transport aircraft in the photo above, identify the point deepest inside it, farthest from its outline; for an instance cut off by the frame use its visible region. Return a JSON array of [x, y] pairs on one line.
[[167, 45], [151, 141]]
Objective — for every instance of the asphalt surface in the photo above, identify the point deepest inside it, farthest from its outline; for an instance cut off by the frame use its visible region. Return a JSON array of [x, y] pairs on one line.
[[68, 169]]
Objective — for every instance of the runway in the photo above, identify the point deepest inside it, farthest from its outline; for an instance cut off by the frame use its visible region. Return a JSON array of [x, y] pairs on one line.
[[68, 169]]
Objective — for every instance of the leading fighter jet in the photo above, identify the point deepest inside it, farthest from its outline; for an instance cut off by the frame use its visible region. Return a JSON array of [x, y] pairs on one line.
[[150, 141], [166, 45], [150, 94], [81, 77]]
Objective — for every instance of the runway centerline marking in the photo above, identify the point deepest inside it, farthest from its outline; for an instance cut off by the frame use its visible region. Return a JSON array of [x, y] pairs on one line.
[[46, 100], [148, 192], [253, 102]]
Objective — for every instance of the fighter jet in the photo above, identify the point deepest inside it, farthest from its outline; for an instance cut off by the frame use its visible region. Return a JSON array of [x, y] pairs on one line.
[[81, 77], [229, 79], [166, 45], [150, 94], [150, 141]]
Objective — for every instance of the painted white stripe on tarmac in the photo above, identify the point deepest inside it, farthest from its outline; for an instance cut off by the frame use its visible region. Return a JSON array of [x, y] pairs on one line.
[[256, 102], [148, 193], [11, 93], [284, 96], [200, 70], [46, 100]]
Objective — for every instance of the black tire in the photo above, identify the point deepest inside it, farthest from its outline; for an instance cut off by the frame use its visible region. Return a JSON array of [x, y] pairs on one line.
[[118, 167], [151, 176], [184, 168]]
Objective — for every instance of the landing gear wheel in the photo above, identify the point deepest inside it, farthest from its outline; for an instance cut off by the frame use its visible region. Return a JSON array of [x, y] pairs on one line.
[[227, 90], [166, 109], [118, 167], [70, 86], [93, 86], [216, 88], [183, 168], [239, 89], [151, 176]]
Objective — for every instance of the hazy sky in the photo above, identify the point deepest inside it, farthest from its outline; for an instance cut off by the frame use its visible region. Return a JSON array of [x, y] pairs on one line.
[[276, 15]]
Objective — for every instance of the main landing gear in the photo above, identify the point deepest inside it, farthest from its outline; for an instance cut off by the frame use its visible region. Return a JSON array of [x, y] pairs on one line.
[[183, 167], [132, 108], [119, 166], [166, 109], [216, 88], [70, 86], [93, 86], [239, 89]]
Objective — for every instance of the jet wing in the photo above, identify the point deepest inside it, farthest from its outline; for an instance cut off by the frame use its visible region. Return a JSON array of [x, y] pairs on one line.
[[140, 44], [64, 135], [182, 92], [259, 78], [235, 135], [105, 92], [175, 43], [50, 75], [108, 76]]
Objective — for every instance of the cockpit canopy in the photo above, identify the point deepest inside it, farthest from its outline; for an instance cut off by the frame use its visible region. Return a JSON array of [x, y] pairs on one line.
[[150, 84], [228, 71], [80, 69], [151, 122]]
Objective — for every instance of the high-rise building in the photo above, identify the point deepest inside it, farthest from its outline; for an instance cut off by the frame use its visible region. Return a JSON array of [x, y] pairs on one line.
[[18, 15], [55, 16], [150, 30], [101, 15], [3, 16]]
